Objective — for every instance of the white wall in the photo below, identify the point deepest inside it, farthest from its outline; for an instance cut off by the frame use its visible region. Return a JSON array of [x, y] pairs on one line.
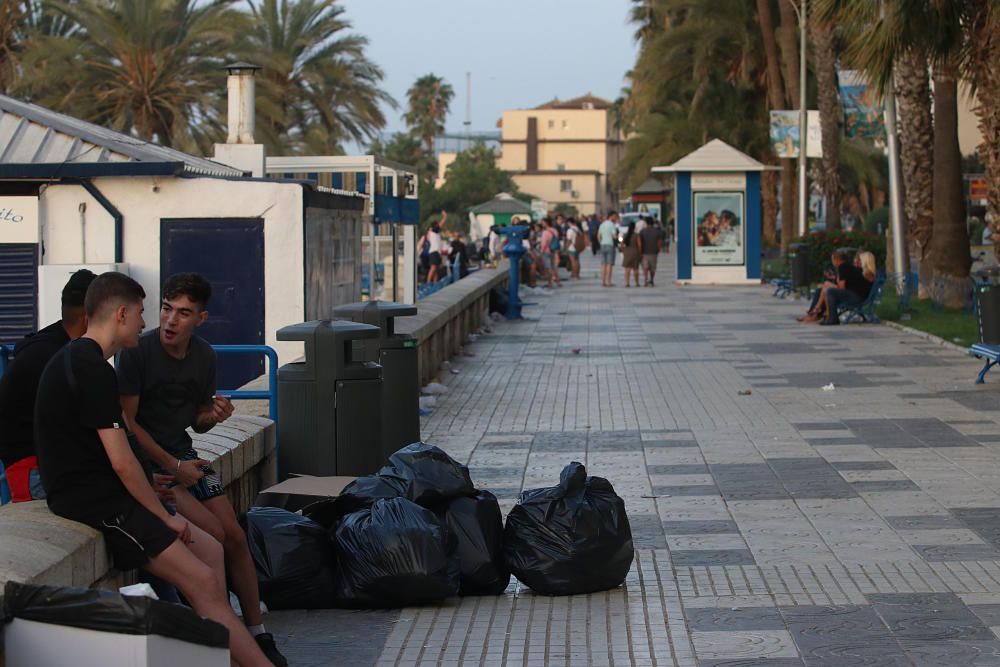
[[143, 201]]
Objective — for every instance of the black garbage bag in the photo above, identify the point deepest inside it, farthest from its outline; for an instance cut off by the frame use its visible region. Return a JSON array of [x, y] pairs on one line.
[[477, 526], [431, 476], [294, 559], [108, 611], [394, 554], [498, 300], [569, 539], [356, 496]]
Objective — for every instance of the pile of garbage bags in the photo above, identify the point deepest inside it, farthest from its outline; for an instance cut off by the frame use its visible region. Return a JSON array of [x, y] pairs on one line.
[[419, 530]]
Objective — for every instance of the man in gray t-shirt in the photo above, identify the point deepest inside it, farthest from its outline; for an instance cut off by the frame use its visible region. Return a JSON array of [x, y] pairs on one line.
[[167, 385], [650, 244]]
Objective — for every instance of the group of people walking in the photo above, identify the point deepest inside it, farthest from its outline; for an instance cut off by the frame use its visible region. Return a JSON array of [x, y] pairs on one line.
[[640, 243]]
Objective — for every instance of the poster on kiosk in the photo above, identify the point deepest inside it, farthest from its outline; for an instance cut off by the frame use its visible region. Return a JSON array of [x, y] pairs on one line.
[[717, 206]]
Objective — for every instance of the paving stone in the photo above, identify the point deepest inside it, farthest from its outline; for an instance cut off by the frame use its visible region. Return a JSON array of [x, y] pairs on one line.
[[696, 527], [929, 617], [711, 557], [733, 618]]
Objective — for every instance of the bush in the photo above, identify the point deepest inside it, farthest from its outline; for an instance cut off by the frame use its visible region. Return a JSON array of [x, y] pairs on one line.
[[822, 244], [877, 221]]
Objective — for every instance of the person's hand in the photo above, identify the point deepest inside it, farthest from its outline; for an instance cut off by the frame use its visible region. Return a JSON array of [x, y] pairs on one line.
[[161, 484], [181, 528], [189, 472], [221, 409]]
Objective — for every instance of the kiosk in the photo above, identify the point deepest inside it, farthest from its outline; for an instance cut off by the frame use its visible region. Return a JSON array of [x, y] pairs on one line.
[[718, 215]]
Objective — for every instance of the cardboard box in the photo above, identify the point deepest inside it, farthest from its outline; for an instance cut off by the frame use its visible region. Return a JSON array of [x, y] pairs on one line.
[[296, 492]]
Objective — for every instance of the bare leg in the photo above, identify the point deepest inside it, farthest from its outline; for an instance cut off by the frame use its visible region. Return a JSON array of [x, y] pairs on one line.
[[239, 562], [178, 566]]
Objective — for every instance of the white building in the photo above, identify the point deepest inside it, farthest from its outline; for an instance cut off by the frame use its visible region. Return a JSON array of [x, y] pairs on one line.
[[75, 194]]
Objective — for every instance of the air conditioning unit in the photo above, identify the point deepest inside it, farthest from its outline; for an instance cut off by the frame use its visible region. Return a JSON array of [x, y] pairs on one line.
[[575, 194]]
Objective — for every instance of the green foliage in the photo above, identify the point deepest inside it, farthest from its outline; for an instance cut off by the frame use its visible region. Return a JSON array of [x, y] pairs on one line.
[[566, 210], [155, 69], [429, 99], [821, 245], [877, 221], [405, 148], [953, 325], [471, 179]]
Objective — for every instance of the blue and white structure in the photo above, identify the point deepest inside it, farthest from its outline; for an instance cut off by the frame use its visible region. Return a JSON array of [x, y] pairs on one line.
[[717, 214]]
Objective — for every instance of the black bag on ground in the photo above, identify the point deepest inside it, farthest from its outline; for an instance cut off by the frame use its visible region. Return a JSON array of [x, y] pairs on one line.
[[498, 300], [570, 539], [356, 496], [477, 526], [394, 554], [431, 476], [294, 559]]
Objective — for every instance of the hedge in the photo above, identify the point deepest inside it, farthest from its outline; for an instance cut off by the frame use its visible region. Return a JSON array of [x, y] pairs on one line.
[[822, 244]]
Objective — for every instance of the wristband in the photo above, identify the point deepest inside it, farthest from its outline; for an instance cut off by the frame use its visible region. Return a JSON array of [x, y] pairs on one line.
[[178, 468]]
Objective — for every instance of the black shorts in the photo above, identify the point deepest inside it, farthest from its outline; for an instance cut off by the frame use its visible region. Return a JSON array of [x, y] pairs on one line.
[[135, 537], [435, 259]]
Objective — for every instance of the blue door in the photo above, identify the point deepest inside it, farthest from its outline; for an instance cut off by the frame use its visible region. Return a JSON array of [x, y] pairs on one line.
[[229, 252]]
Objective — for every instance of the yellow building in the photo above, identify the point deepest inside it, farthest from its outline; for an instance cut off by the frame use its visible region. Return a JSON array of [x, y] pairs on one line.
[[563, 152]]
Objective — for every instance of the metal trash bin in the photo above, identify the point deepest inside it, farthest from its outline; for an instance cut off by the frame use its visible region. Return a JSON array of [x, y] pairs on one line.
[[396, 353], [798, 258], [988, 307], [329, 404]]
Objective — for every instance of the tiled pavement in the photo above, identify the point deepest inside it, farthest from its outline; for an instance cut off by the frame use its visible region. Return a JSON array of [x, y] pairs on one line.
[[784, 526]]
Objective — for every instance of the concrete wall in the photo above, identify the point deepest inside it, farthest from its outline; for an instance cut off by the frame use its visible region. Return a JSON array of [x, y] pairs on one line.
[[144, 201], [557, 123], [590, 188], [446, 318]]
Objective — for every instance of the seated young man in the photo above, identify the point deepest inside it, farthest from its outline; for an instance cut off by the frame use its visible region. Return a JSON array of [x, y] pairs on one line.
[[167, 384], [851, 289], [91, 475], [19, 385]]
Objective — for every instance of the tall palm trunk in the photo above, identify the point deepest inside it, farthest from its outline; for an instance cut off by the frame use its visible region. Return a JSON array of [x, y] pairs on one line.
[[916, 140], [790, 59], [986, 45], [949, 247], [829, 116], [776, 100]]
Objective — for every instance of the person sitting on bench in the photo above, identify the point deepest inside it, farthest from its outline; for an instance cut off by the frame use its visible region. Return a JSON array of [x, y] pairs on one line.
[[90, 474], [852, 287], [19, 386], [167, 384]]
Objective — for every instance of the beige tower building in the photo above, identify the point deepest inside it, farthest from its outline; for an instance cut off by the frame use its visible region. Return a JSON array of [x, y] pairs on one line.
[[563, 152]]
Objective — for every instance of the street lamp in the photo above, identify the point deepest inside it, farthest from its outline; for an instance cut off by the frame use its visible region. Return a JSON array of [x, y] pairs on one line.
[[802, 14]]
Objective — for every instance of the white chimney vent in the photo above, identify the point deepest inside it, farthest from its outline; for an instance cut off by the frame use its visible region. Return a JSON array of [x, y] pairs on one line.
[[242, 95]]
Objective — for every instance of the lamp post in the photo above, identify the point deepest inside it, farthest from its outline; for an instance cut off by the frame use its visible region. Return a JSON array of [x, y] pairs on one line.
[[900, 253], [803, 123]]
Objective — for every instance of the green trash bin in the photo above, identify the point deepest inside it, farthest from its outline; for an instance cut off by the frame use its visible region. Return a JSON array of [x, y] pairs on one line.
[[396, 353], [798, 259], [329, 404], [988, 310]]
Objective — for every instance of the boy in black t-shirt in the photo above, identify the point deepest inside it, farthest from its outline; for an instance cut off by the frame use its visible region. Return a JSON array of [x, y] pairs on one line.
[[91, 474], [851, 287], [19, 385], [167, 385]]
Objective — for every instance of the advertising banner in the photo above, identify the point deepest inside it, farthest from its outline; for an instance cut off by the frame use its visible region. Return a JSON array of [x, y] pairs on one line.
[[864, 115], [718, 229], [785, 134]]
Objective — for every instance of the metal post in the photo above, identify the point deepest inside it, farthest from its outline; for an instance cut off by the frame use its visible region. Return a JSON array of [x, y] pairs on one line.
[[514, 250], [900, 254], [803, 125], [395, 261]]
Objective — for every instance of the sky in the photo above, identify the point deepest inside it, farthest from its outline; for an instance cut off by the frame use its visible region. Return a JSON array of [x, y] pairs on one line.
[[520, 53]]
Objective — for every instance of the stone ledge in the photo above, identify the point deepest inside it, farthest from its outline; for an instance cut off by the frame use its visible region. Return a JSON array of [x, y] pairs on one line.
[[37, 546]]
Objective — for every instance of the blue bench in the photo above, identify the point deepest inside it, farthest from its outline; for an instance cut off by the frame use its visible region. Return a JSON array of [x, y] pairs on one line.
[[989, 353], [864, 311], [782, 287]]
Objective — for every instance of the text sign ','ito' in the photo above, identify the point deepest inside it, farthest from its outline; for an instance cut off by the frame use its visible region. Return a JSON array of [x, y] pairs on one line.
[[18, 219]]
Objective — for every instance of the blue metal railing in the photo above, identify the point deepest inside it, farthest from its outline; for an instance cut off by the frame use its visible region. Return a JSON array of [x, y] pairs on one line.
[[271, 394]]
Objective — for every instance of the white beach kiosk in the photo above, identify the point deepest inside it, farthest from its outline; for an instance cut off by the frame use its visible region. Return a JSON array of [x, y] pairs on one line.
[[718, 215]]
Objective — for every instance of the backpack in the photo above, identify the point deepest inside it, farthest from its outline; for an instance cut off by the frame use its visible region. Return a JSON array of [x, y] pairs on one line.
[[554, 243], [580, 242]]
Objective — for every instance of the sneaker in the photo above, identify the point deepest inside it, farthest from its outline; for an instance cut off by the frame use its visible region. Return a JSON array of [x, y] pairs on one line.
[[265, 641]]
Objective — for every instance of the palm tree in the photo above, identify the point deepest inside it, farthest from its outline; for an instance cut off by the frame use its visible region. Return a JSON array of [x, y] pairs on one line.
[[913, 97], [788, 35], [830, 114], [151, 68], [775, 98], [317, 89], [428, 101]]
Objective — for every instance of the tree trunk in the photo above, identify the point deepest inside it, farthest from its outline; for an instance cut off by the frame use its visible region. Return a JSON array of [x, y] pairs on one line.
[[987, 79], [916, 152], [790, 59], [788, 213], [829, 115], [776, 100], [769, 204], [949, 246]]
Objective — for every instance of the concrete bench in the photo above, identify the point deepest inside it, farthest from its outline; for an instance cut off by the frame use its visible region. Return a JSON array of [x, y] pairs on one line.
[[38, 547]]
